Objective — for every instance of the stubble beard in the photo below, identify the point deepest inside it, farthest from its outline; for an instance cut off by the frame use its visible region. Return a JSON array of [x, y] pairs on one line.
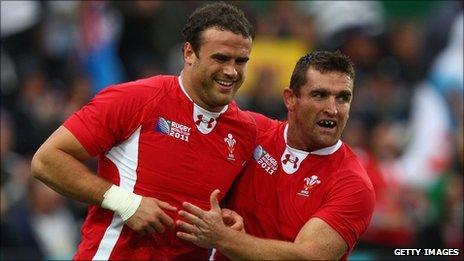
[[210, 96]]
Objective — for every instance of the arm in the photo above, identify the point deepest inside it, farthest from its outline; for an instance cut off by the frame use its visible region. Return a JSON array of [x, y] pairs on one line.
[[316, 239], [58, 164]]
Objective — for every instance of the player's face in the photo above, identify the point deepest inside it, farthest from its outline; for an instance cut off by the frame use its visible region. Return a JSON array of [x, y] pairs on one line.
[[320, 112], [219, 70]]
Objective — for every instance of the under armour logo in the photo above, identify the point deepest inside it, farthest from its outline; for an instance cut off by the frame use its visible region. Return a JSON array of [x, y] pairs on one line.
[[289, 159], [200, 120]]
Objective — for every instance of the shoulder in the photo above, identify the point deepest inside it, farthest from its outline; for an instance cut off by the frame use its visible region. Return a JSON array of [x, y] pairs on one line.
[[350, 189], [235, 113], [263, 123], [347, 179], [349, 197], [241, 115], [242, 121], [139, 91], [351, 169], [147, 86]]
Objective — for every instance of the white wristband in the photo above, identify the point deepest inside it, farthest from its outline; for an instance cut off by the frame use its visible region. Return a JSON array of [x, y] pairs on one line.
[[121, 201]]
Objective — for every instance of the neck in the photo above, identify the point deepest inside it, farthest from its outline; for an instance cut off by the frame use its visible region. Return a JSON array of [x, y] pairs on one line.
[[193, 92], [295, 139]]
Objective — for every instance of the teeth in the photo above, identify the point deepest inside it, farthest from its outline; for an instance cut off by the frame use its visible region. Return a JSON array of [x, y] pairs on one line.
[[327, 123], [226, 83]]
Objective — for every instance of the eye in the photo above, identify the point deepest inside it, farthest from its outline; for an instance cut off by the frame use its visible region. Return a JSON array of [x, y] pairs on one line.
[[318, 95], [344, 98], [221, 59], [242, 61]]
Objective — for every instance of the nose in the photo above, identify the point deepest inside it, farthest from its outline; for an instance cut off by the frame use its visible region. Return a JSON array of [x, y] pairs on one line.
[[331, 107], [230, 71]]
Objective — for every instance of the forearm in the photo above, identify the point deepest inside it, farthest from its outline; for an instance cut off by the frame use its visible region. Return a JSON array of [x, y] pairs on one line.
[[316, 240], [68, 176], [58, 164], [238, 245]]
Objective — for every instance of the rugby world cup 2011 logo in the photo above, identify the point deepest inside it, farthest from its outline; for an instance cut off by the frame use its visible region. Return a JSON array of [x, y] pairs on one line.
[[163, 125], [265, 160], [173, 129], [309, 184]]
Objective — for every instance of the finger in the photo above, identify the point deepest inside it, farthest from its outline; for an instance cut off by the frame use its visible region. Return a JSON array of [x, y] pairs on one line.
[[227, 217], [142, 232], [233, 222], [191, 229], [149, 229], [232, 219], [166, 205], [187, 237], [214, 201], [228, 220], [194, 209], [157, 225], [226, 212], [237, 226], [191, 218], [165, 219]]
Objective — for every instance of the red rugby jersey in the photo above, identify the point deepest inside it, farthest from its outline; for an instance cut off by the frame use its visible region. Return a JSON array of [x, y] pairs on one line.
[[283, 188], [153, 140]]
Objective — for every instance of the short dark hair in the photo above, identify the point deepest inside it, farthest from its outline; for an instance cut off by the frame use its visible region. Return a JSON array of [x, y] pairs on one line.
[[220, 15], [322, 61]]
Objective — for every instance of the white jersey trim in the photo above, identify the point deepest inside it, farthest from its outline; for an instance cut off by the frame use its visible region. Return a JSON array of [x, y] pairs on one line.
[[125, 157]]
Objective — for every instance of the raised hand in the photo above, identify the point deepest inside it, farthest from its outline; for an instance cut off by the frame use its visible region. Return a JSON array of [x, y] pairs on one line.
[[150, 216], [206, 227]]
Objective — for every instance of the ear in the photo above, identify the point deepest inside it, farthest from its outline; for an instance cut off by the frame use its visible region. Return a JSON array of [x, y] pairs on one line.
[[289, 99], [188, 53]]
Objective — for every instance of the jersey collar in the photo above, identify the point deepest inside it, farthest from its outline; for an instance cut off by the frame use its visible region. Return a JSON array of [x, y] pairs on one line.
[[321, 152]]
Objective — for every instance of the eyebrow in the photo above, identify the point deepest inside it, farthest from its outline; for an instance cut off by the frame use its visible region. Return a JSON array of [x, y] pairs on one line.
[[345, 92], [221, 56], [325, 91]]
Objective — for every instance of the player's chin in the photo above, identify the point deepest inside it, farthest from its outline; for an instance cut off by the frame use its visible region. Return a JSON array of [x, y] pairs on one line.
[[223, 99], [327, 140]]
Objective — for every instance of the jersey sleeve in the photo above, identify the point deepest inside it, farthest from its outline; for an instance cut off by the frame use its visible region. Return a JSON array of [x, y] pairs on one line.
[[349, 208], [111, 116]]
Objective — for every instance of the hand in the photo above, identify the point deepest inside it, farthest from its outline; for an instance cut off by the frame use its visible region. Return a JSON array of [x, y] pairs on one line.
[[206, 227], [150, 216], [233, 220]]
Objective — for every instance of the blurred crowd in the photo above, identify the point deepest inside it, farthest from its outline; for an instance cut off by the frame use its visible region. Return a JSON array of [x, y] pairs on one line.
[[406, 118]]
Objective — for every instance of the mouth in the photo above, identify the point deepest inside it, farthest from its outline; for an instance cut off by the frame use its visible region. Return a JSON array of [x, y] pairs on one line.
[[329, 124], [225, 85]]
